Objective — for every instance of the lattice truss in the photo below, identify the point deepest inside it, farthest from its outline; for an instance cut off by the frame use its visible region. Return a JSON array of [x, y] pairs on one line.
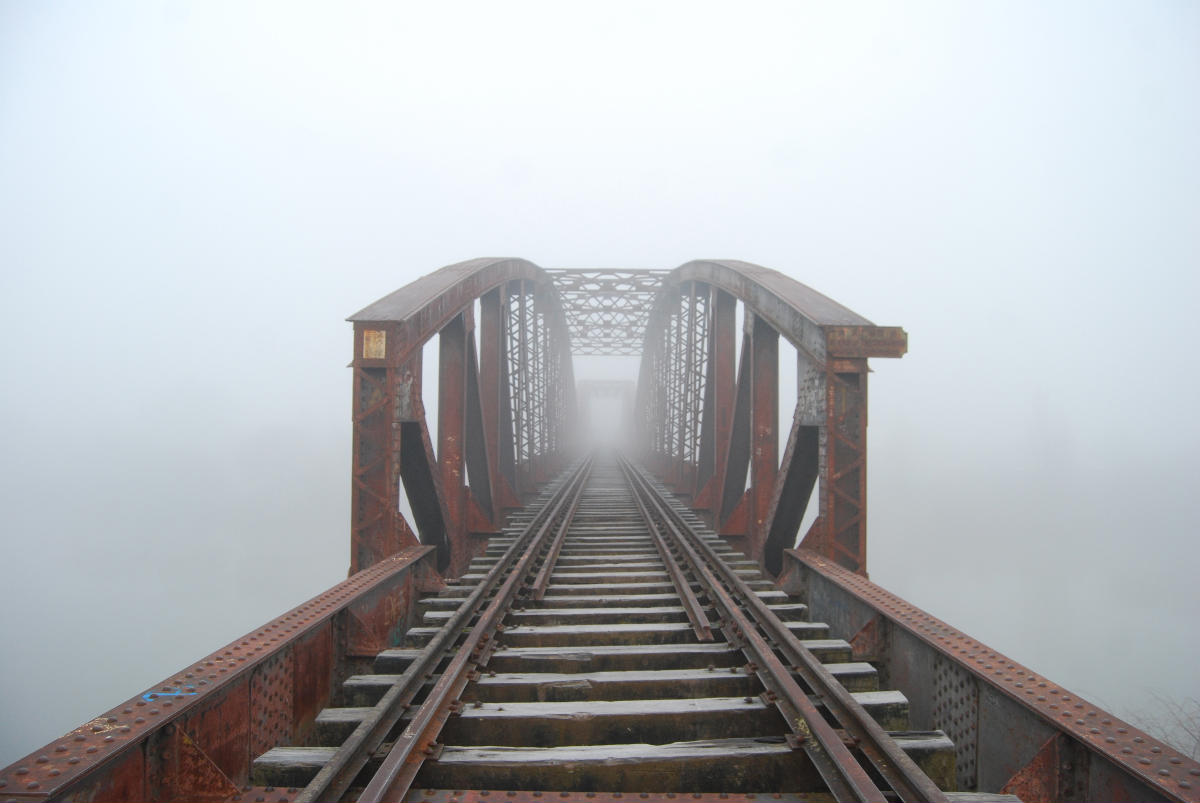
[[607, 310], [539, 375], [674, 372]]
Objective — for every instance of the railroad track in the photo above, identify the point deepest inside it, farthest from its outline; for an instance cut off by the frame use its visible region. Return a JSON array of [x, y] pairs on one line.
[[608, 643]]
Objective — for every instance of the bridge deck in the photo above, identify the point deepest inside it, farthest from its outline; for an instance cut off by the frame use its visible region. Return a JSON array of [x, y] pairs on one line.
[[605, 684], [596, 649]]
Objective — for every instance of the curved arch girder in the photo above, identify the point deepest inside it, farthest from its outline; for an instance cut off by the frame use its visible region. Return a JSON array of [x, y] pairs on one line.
[[505, 408], [697, 384]]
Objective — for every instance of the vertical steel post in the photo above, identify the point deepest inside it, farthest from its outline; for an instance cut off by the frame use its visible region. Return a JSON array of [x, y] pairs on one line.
[[646, 404], [382, 393], [452, 397], [844, 464], [718, 401], [492, 384], [801, 463], [479, 467], [764, 422], [737, 455]]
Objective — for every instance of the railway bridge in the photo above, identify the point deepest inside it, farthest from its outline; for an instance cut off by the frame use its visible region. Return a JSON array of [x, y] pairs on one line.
[[680, 613]]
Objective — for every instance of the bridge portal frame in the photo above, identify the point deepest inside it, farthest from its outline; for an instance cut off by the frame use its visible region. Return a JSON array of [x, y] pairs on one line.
[[505, 414], [690, 344]]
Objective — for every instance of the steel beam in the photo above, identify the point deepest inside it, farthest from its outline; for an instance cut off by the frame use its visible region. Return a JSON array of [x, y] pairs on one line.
[[840, 532], [737, 456], [717, 416], [1014, 730], [764, 421], [478, 461], [420, 309], [794, 485], [799, 313], [193, 736], [383, 396], [423, 487], [832, 344], [452, 425], [492, 387]]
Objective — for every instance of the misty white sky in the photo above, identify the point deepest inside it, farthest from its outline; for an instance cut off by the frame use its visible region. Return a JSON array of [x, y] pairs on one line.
[[194, 195]]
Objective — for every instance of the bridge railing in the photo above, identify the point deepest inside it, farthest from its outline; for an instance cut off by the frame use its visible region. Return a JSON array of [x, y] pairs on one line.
[[710, 417], [193, 736], [1014, 731], [505, 408]]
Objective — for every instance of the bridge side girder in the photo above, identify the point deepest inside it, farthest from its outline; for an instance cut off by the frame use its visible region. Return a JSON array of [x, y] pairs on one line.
[[738, 420], [503, 412]]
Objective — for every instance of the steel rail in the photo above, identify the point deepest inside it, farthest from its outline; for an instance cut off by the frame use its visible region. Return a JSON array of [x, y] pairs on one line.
[[846, 778], [900, 772], [683, 587], [399, 769], [339, 773], [540, 583]]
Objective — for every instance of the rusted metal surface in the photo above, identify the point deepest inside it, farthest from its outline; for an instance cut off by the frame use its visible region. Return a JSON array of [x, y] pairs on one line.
[[271, 695], [865, 341], [607, 310], [701, 435], [764, 420], [840, 532], [796, 311], [1015, 716], [496, 796], [383, 397], [737, 454], [422, 479], [452, 430], [717, 414], [503, 422], [475, 456], [798, 474], [671, 386], [191, 737], [541, 384], [495, 407], [265, 794], [186, 772], [416, 312]]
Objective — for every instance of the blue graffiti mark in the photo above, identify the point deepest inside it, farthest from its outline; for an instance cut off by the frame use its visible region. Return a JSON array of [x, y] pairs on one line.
[[150, 696]]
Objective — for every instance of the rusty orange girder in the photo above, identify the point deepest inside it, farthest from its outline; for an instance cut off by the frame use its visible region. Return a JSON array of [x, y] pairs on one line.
[[691, 385], [502, 420]]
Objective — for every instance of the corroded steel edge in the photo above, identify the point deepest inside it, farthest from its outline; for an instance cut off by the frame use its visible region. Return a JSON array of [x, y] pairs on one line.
[[810, 320], [419, 310], [66, 760], [268, 794], [526, 796], [1154, 763]]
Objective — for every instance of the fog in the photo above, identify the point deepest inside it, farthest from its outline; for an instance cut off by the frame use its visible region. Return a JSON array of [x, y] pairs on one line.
[[194, 196]]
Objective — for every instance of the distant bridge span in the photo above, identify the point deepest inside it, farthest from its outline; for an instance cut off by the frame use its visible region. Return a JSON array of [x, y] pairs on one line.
[[548, 621]]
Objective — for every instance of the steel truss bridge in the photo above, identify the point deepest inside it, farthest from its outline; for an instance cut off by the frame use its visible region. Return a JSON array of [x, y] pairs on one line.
[[527, 621]]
